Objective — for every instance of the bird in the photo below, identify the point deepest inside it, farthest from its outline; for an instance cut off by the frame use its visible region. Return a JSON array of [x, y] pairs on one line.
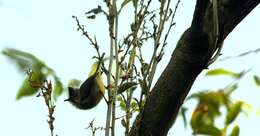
[[91, 91], [89, 94]]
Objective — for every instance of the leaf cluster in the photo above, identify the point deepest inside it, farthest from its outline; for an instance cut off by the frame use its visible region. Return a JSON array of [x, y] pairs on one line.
[[211, 103], [26, 61]]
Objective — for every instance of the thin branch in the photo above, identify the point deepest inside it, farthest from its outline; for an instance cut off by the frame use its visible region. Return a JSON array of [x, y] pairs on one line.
[[93, 128], [46, 93], [93, 41], [241, 55]]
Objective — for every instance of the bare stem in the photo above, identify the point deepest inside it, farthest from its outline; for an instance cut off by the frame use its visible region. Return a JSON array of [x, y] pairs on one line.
[[93, 128], [46, 93], [114, 38]]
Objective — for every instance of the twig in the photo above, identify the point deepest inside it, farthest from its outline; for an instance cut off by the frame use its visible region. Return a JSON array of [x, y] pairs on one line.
[[93, 128], [241, 55], [46, 93], [93, 41]]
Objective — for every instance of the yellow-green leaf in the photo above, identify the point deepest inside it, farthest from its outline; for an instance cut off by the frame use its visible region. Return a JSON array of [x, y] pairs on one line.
[[40, 71], [119, 98], [58, 88], [209, 130], [258, 112], [126, 86], [123, 122], [196, 119], [25, 90], [233, 112], [231, 88], [23, 60], [235, 131], [122, 105], [183, 112], [134, 106], [221, 71], [257, 80]]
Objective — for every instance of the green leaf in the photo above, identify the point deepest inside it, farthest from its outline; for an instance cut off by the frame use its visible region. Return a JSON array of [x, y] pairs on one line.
[[58, 88], [25, 90], [23, 60], [126, 86], [212, 100], [257, 80], [40, 71], [119, 98], [122, 105], [235, 131], [231, 88], [91, 17], [95, 11], [201, 123], [183, 114], [221, 71], [196, 119], [195, 96], [208, 130], [134, 106], [233, 112], [123, 122]]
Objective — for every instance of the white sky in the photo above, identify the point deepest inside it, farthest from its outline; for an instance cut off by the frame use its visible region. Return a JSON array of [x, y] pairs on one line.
[[46, 29]]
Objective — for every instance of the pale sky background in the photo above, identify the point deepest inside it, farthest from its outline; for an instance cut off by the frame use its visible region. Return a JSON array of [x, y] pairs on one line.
[[46, 29]]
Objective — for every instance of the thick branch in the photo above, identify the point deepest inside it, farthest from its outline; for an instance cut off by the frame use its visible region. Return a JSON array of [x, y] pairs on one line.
[[189, 58]]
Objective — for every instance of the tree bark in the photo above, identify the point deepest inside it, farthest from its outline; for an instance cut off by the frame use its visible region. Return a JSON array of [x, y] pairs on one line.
[[190, 57]]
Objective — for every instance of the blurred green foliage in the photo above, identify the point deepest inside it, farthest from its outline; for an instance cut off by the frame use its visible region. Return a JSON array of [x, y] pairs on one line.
[[26, 61], [210, 104], [204, 116]]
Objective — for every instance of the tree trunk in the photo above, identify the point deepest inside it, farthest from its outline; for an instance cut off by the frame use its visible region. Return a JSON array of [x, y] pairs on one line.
[[190, 57]]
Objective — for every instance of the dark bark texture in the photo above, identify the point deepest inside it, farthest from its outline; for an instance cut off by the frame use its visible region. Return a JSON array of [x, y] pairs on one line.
[[190, 57]]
